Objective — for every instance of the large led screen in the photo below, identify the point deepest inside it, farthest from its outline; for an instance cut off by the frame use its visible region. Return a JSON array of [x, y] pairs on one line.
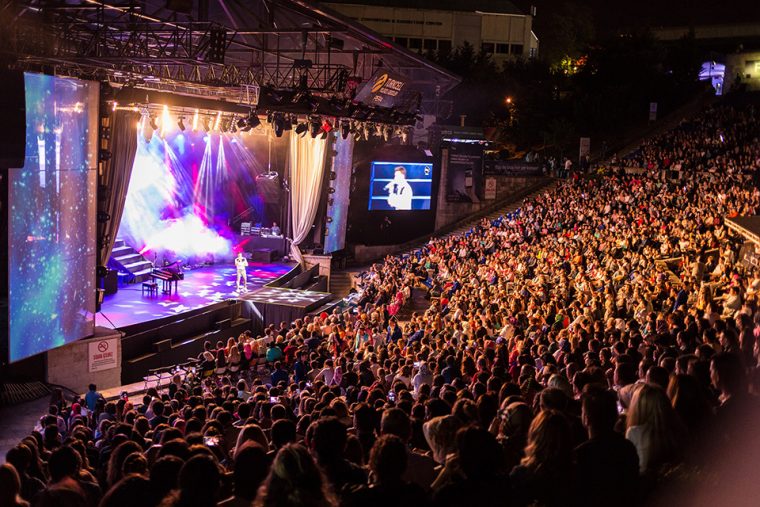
[[51, 220], [400, 186]]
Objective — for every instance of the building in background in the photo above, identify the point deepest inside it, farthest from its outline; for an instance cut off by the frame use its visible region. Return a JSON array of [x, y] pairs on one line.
[[734, 48], [497, 26]]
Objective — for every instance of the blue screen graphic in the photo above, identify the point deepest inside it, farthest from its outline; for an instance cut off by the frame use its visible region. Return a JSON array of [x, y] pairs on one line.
[[400, 186], [52, 218]]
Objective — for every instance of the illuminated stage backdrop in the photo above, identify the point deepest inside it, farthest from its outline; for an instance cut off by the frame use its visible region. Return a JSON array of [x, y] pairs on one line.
[[51, 263], [186, 186]]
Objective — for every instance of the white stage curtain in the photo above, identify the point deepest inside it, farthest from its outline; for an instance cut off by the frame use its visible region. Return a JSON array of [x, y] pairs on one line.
[[116, 176], [307, 166]]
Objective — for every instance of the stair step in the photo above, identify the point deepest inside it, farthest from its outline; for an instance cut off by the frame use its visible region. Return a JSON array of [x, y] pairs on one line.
[[122, 250], [138, 265], [125, 259], [118, 243]]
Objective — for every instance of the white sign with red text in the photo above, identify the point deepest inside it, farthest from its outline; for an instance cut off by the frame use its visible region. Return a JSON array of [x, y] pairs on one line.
[[102, 354]]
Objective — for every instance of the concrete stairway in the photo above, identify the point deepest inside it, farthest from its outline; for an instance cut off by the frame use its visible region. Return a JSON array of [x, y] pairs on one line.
[[130, 261], [340, 283]]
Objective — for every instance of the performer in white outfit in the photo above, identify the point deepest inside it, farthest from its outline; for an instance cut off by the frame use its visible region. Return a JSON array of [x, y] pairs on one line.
[[399, 191], [240, 264]]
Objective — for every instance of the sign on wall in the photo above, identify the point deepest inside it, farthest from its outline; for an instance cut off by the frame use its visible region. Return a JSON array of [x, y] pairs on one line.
[[490, 188], [102, 354], [584, 147], [464, 182]]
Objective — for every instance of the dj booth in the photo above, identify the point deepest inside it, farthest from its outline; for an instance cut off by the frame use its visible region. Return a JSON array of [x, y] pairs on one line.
[[263, 248]]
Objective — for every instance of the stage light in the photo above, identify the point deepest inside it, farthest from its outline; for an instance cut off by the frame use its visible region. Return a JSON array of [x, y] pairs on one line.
[[146, 126], [366, 131], [345, 128], [314, 126], [301, 129], [181, 123], [115, 105], [206, 124], [378, 130], [278, 124], [387, 133], [153, 123], [404, 135], [218, 120], [326, 126], [195, 121]]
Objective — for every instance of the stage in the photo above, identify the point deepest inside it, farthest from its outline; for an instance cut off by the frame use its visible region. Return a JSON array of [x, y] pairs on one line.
[[201, 287], [272, 305]]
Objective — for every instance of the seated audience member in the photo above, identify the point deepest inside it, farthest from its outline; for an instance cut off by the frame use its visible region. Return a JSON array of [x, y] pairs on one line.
[[606, 465]]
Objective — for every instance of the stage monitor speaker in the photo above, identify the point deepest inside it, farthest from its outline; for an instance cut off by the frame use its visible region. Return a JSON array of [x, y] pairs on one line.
[[262, 255], [111, 282], [13, 106]]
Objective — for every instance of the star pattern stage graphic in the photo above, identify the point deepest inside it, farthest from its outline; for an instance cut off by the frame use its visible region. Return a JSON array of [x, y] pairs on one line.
[[200, 288]]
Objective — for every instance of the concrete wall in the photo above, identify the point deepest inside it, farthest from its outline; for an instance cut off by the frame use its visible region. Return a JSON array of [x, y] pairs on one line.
[[457, 27], [68, 365], [324, 262], [746, 65], [450, 212]]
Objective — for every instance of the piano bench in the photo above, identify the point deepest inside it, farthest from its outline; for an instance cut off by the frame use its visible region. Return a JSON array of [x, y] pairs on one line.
[[151, 287]]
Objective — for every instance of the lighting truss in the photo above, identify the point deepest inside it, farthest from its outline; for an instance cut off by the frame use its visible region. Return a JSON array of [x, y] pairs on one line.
[[226, 51]]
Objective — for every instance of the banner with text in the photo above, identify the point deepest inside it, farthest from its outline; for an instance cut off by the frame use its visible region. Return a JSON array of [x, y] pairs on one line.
[[511, 168], [385, 89], [464, 181]]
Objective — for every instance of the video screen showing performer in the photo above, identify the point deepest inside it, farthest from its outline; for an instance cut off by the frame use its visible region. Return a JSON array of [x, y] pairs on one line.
[[400, 193], [400, 186]]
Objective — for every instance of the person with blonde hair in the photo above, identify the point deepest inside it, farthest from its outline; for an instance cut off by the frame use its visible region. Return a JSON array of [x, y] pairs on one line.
[[654, 428], [545, 474]]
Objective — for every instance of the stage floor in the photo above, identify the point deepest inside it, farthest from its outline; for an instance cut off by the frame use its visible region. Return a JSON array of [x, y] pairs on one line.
[[201, 287]]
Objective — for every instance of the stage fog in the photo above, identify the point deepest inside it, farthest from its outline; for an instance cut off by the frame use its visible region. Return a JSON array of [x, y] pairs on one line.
[[190, 189]]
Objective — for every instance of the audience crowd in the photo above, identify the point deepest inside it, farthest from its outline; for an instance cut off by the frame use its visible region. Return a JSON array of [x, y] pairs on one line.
[[599, 346]]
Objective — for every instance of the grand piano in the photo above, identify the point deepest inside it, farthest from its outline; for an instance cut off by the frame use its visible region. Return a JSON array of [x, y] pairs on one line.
[[168, 275]]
